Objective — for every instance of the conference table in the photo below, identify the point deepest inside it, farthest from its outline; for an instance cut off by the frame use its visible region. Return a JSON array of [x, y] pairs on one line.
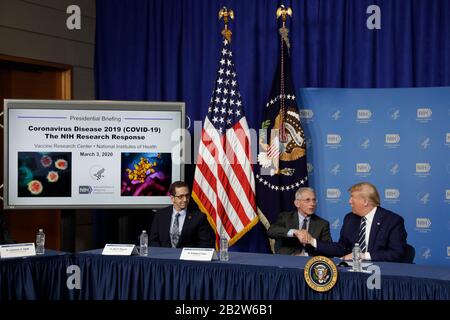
[[246, 276]]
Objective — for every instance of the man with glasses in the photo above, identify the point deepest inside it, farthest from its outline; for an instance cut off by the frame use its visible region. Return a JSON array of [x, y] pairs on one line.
[[289, 230], [177, 226]]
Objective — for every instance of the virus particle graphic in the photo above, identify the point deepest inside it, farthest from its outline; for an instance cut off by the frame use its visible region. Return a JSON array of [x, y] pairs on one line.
[[61, 164], [141, 171], [35, 187], [46, 161], [52, 176]]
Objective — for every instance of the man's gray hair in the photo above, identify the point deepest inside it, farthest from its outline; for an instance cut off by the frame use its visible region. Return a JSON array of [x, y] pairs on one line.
[[299, 192]]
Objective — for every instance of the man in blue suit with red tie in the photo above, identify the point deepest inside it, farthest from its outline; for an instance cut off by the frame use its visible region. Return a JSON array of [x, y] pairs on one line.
[[380, 233]]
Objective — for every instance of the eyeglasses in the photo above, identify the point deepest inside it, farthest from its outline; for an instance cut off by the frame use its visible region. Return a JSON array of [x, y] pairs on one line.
[[308, 200], [182, 196]]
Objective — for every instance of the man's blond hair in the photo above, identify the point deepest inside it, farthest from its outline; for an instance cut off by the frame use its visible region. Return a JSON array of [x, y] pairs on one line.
[[368, 191]]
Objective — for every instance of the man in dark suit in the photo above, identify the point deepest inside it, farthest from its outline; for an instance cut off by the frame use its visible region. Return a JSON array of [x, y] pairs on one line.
[[286, 229], [380, 233], [5, 238], [178, 227]]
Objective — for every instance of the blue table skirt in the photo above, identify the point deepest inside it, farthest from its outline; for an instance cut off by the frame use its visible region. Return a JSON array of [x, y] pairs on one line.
[[38, 277], [245, 277]]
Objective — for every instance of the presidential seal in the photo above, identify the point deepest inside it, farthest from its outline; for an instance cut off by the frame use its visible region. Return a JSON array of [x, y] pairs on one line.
[[320, 273]]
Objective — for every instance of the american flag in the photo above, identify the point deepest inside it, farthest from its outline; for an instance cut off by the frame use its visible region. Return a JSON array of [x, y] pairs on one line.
[[224, 184]]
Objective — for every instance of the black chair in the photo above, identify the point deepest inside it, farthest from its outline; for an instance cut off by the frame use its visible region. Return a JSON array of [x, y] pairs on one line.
[[410, 253]]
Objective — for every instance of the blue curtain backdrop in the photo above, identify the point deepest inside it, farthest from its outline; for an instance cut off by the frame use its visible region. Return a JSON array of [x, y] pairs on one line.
[[168, 50]]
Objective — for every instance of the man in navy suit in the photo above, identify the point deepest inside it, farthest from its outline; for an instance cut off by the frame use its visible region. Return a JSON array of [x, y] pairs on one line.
[[380, 233], [178, 227]]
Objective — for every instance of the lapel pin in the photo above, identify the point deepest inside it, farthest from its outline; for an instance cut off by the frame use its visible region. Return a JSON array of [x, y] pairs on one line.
[[378, 223]]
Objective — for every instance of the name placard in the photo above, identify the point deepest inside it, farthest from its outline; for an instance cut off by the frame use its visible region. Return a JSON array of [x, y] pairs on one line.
[[17, 250], [198, 254], [119, 249]]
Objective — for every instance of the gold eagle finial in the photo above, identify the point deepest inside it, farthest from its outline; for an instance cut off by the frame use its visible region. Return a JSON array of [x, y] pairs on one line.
[[283, 12], [225, 14]]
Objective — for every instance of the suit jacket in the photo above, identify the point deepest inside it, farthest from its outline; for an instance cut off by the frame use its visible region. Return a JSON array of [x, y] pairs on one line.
[[387, 241], [318, 228], [196, 230], [5, 238]]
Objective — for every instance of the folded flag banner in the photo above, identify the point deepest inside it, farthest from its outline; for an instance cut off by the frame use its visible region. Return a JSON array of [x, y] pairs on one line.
[[282, 167]]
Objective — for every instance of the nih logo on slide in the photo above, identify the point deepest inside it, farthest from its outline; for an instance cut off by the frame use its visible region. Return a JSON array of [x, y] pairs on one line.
[[423, 224]]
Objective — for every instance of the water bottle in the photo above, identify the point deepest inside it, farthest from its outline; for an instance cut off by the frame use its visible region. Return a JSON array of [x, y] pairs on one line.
[[143, 248], [40, 242], [356, 258], [223, 253]]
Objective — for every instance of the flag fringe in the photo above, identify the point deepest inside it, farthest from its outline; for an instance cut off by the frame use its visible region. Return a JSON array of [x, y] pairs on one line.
[[238, 236]]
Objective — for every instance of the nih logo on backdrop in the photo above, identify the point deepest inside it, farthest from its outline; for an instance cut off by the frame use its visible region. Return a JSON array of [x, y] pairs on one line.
[[424, 143], [425, 253], [333, 195], [447, 139], [423, 224], [394, 114], [423, 169], [423, 197], [363, 115], [310, 168], [307, 115], [363, 169], [364, 143], [392, 140], [335, 169], [447, 196], [393, 168], [336, 114], [448, 252], [391, 196], [335, 223], [424, 115], [334, 141]]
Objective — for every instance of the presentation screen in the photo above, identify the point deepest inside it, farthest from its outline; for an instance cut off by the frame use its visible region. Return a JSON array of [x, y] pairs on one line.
[[91, 154]]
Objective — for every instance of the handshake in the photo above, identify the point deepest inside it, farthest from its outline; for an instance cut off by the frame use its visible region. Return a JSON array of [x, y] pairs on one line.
[[303, 236]]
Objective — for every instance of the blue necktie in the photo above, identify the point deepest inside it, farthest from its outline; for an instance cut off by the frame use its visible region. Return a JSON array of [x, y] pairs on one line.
[[362, 234], [305, 224]]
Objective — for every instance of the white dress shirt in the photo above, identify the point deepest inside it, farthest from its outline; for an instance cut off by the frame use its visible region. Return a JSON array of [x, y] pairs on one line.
[[301, 217]]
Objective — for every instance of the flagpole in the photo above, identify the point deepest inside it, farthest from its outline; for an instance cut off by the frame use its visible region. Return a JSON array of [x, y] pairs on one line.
[[283, 12]]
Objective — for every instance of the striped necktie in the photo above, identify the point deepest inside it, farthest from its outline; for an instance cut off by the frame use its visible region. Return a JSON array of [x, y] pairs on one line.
[[362, 235], [175, 231]]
